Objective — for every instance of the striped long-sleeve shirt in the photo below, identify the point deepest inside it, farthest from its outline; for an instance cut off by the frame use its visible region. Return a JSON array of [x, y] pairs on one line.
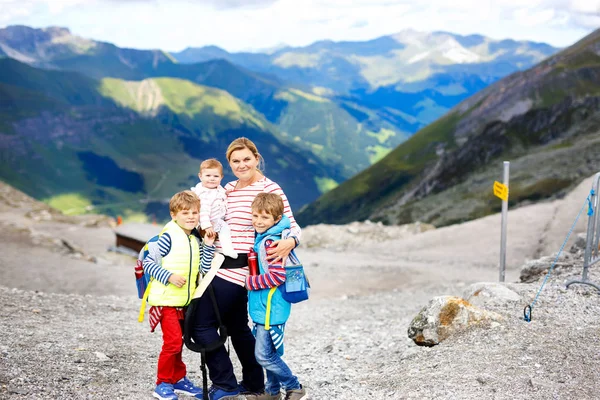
[[274, 276], [159, 249], [239, 219]]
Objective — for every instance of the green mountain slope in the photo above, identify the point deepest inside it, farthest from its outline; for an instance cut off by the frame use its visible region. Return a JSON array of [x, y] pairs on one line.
[[544, 120], [335, 122], [420, 74], [128, 146]]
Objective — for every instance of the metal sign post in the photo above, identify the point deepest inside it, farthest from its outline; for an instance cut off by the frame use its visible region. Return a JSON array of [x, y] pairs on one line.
[[501, 191]]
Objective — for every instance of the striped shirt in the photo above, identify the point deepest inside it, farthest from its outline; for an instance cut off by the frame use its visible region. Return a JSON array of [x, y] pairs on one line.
[[274, 276], [239, 219], [159, 249]]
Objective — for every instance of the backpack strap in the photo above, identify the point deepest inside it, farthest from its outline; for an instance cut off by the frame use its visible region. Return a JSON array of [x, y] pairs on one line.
[[144, 301], [268, 313]]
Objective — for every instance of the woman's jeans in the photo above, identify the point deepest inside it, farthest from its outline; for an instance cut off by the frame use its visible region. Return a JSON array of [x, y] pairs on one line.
[[232, 302], [278, 373]]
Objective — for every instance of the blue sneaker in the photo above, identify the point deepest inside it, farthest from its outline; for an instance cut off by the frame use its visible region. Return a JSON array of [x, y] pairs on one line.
[[185, 386], [216, 393], [165, 391]]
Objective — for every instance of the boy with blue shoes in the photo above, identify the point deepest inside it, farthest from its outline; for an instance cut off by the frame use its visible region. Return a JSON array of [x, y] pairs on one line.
[[174, 262], [267, 308]]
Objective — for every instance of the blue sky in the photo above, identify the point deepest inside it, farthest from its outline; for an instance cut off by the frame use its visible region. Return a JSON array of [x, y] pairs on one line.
[[237, 25]]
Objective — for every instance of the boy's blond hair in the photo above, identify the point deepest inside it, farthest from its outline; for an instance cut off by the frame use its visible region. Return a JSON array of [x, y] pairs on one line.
[[271, 203], [211, 163], [186, 200]]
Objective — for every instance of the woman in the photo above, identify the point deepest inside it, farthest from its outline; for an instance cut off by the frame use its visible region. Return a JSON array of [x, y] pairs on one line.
[[230, 292]]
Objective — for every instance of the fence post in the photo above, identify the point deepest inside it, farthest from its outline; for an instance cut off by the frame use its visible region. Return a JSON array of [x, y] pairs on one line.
[[504, 224], [591, 255]]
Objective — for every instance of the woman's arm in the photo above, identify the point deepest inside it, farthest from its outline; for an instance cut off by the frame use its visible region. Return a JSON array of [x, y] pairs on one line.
[[274, 276], [280, 249]]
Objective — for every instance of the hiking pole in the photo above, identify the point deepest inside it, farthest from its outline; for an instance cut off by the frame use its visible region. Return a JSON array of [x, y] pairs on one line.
[[201, 348], [204, 377]]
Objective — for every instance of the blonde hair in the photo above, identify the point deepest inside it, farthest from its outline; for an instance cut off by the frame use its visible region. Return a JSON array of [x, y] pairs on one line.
[[271, 203], [242, 143], [186, 200], [211, 163]]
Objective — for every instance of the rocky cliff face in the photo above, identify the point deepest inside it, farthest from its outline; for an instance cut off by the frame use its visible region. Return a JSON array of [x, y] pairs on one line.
[[544, 120]]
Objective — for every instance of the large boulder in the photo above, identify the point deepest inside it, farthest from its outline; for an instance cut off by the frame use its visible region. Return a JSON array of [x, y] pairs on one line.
[[443, 316], [491, 295]]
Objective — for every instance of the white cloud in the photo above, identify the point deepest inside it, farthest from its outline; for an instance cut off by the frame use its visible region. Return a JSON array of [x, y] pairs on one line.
[[246, 24], [15, 9]]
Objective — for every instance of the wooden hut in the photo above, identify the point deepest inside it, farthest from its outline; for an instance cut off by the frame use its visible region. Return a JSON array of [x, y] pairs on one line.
[[133, 235]]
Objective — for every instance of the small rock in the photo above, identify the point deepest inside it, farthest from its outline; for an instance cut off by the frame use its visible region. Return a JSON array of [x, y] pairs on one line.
[[101, 356]]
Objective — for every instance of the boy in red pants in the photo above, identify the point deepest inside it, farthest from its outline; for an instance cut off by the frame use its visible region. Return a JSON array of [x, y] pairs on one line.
[[174, 262]]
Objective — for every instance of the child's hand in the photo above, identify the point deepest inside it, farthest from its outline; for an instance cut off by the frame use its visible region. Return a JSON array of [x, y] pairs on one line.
[[177, 280], [208, 240], [210, 232]]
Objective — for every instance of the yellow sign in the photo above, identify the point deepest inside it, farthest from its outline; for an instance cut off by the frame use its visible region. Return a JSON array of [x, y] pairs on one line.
[[501, 190]]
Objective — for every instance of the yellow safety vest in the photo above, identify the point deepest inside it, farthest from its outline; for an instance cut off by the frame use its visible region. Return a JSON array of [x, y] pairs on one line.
[[183, 259]]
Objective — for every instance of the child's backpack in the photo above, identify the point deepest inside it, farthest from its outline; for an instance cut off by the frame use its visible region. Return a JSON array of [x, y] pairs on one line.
[[296, 287], [142, 278]]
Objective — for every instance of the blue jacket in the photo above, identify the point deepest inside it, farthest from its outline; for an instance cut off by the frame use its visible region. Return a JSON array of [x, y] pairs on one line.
[[257, 299]]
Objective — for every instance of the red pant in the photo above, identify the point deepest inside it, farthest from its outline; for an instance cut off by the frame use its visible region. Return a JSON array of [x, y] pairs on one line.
[[170, 366]]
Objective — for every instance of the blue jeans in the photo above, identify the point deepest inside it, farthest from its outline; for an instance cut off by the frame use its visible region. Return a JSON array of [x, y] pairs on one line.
[[278, 373]]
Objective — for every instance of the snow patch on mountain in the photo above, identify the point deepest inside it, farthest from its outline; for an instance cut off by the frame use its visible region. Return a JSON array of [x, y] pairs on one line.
[[453, 51], [418, 57]]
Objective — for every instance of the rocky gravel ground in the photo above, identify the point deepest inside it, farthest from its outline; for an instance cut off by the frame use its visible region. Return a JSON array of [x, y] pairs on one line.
[[74, 333], [58, 346]]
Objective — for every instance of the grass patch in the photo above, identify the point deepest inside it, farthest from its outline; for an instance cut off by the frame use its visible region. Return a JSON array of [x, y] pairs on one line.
[[282, 163], [420, 148], [325, 184], [310, 97], [69, 203], [541, 189], [135, 216], [377, 152], [302, 60], [383, 135], [182, 97], [582, 59], [565, 144]]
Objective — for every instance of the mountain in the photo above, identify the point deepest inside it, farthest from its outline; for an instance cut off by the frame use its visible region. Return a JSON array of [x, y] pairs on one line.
[[544, 120], [406, 57], [342, 133], [421, 74], [114, 145]]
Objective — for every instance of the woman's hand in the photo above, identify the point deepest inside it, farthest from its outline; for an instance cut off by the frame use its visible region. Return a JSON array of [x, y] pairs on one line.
[[280, 249]]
